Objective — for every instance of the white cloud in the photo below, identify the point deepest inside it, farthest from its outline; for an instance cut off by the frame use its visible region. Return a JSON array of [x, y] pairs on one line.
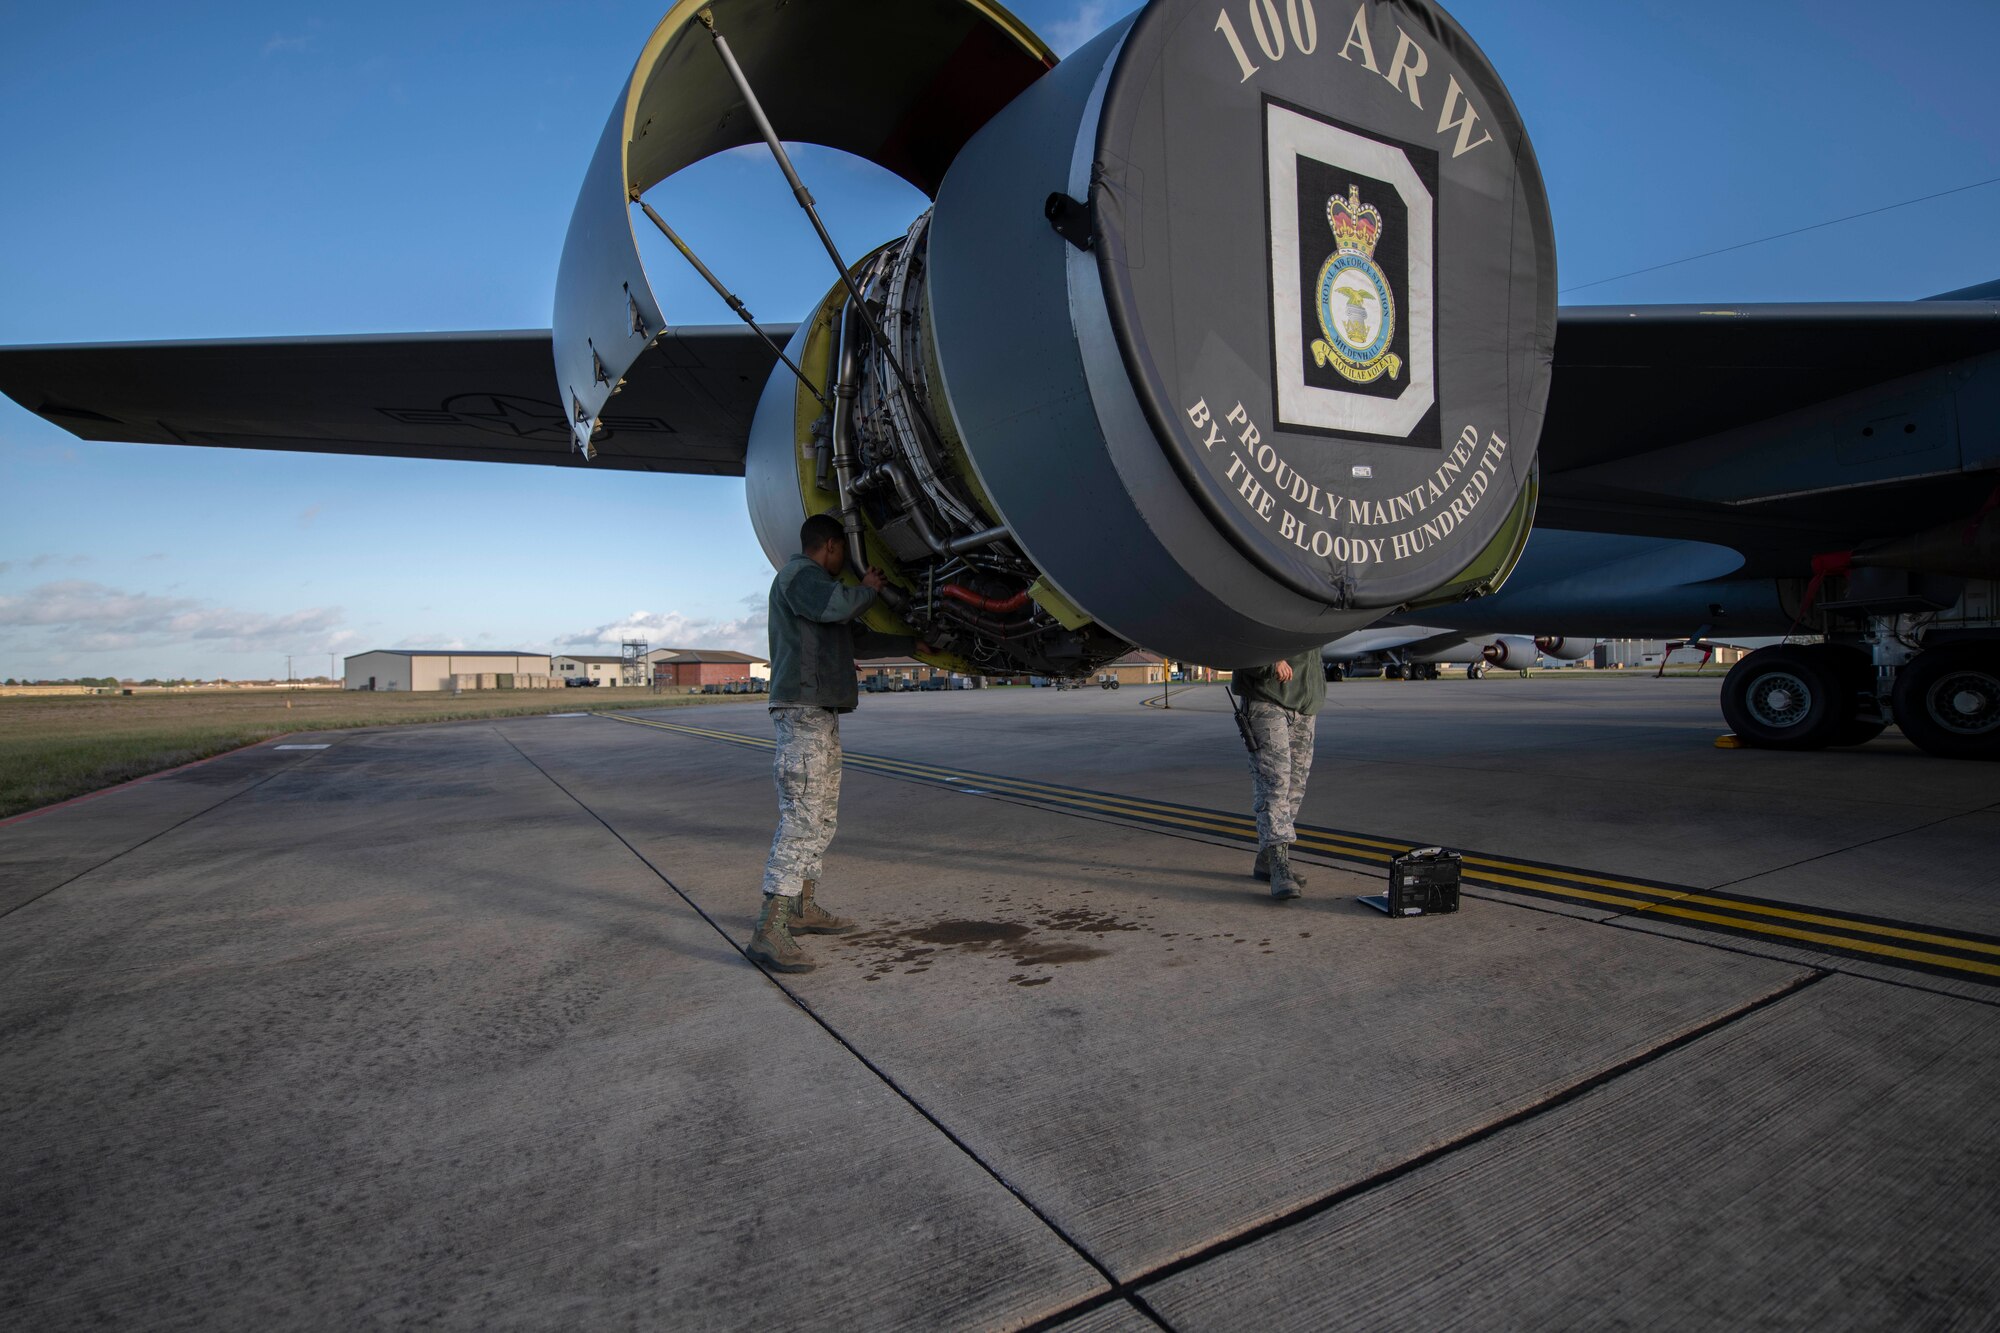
[[1092, 17], [671, 629], [75, 615], [280, 42]]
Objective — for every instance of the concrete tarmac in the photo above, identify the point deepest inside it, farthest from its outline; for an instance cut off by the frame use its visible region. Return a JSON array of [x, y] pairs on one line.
[[450, 1025]]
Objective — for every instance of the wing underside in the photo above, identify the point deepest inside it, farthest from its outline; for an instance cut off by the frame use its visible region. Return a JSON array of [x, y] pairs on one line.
[[473, 397], [1775, 430]]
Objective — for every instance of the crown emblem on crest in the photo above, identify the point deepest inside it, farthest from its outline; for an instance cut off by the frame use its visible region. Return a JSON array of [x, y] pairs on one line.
[[1356, 226]]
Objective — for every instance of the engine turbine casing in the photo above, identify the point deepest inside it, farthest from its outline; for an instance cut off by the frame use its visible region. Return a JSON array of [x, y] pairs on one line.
[[1510, 652], [1564, 649]]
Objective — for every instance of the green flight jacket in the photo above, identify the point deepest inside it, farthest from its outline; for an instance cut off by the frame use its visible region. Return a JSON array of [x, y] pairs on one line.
[[1303, 693], [813, 637]]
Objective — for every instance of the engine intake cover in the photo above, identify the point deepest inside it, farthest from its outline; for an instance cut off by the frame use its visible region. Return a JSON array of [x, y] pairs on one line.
[[1320, 298], [1328, 255]]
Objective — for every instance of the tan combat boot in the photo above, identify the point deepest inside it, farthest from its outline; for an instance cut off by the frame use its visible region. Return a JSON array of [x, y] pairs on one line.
[[1262, 870], [773, 945], [812, 919], [1284, 884]]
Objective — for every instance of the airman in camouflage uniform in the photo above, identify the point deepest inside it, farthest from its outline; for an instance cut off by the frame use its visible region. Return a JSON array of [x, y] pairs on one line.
[[813, 641], [1281, 703]]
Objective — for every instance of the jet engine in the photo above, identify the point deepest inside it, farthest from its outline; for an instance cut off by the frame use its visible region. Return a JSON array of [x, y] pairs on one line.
[[1564, 649], [1225, 336], [1510, 652]]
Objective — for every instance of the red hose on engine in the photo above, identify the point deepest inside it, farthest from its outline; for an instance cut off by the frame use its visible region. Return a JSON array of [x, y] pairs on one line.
[[996, 605]]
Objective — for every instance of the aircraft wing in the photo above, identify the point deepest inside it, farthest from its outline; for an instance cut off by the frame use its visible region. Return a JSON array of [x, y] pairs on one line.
[[486, 397], [1776, 430]]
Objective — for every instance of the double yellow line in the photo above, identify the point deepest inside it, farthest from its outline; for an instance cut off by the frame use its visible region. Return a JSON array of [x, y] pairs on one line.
[[1897, 944]]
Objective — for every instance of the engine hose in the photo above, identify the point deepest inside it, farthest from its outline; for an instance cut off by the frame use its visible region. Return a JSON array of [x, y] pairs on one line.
[[997, 605], [1005, 631]]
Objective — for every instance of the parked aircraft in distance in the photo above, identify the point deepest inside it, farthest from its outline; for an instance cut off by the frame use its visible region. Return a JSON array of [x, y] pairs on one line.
[[1419, 652], [1070, 411]]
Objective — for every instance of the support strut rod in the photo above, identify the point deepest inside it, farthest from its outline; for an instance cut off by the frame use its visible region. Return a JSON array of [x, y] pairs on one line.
[[804, 196], [729, 297]]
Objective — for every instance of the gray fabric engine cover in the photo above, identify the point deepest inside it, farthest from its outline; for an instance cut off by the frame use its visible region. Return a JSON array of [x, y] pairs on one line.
[[1218, 164], [1095, 391]]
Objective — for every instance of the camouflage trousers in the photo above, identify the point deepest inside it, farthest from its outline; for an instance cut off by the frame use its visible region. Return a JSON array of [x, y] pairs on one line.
[[1279, 767], [808, 773]]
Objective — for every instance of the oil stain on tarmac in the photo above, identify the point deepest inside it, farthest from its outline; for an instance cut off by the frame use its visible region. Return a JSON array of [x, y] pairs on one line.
[[916, 948], [1048, 938], [1034, 936]]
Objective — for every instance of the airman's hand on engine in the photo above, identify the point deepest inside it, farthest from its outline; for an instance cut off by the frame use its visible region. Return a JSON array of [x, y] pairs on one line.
[[872, 579], [1285, 672]]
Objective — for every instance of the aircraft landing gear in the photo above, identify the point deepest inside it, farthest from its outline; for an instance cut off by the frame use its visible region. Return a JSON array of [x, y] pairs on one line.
[[1787, 697], [1803, 697], [1475, 671], [1915, 656], [1947, 700]]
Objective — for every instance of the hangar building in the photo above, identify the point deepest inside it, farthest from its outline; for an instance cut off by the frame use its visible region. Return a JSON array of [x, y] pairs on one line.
[[1137, 667], [598, 670], [446, 668], [906, 671], [705, 666]]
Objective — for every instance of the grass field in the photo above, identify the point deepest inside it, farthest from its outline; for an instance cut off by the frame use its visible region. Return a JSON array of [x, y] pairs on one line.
[[55, 748]]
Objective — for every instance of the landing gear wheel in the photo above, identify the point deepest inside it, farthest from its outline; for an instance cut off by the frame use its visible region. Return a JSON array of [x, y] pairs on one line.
[[1394, 671], [1476, 671], [1334, 673], [1948, 700], [1785, 697]]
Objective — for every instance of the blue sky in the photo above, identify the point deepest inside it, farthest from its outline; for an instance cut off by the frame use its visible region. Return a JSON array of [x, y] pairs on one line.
[[256, 169]]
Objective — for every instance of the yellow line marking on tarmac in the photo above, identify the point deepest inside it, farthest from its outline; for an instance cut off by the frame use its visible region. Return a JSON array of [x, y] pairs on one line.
[[1575, 885]]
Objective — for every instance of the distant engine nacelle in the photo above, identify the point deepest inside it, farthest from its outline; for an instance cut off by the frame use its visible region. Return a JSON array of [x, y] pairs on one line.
[[1562, 649], [1510, 652], [1221, 337]]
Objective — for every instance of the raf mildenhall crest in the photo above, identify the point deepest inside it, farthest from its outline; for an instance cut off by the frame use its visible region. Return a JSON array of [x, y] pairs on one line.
[[1357, 311]]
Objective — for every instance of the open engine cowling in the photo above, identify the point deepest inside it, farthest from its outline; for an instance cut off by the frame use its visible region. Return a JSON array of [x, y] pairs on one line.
[[1224, 337]]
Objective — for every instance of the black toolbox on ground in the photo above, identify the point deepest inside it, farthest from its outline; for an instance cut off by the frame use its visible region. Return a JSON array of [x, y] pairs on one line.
[[1423, 882]]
